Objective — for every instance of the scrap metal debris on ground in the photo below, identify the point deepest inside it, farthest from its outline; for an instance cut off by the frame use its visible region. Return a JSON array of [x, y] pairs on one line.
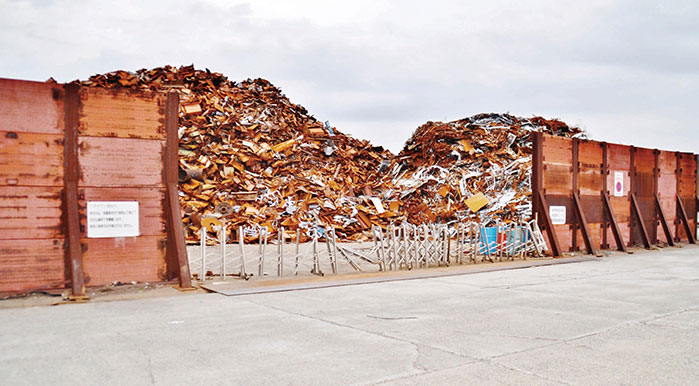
[[249, 154]]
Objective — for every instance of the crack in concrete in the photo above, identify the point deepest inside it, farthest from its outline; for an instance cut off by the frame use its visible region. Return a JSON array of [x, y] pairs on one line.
[[530, 373], [598, 332], [418, 346], [150, 371], [481, 333]]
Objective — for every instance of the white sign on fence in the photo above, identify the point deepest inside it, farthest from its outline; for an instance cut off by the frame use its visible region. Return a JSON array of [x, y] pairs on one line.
[[558, 214], [618, 184], [112, 219]]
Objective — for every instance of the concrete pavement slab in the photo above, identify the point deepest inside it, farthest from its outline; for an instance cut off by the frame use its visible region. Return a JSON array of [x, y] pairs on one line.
[[621, 319]]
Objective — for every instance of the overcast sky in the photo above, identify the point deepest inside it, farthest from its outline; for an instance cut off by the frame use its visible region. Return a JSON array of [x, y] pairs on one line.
[[626, 71]]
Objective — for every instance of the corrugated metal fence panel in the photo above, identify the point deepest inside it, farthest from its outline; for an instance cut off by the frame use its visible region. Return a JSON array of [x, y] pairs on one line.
[[122, 113], [30, 212], [619, 159], [639, 171], [31, 107], [558, 188], [644, 181], [590, 186], [687, 189], [120, 162], [31, 185], [121, 144], [667, 189], [124, 259], [31, 263], [31, 159]]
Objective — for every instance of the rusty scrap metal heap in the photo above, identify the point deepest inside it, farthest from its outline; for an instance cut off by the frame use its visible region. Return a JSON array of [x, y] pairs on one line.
[[477, 167], [246, 151], [245, 144]]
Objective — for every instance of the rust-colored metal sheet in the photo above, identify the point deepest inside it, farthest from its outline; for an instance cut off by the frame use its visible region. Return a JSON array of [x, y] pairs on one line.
[[120, 162], [122, 113], [150, 207], [565, 237], [124, 259], [30, 212], [31, 107], [557, 179], [644, 163], [619, 161], [687, 183], [557, 150], [590, 158], [667, 188], [28, 264], [619, 157], [31, 159], [687, 190], [595, 233]]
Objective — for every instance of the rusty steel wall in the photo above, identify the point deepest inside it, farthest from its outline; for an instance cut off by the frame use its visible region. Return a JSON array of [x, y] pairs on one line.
[[581, 175], [121, 138], [62, 146], [31, 185]]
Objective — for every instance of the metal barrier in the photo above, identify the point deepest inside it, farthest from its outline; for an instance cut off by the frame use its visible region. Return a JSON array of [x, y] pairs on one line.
[[404, 246], [218, 258]]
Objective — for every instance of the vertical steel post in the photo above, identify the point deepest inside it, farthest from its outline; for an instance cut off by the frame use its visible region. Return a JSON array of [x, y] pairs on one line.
[[575, 169], [176, 248], [656, 214], [222, 238], [71, 174], [678, 215], [202, 243], [280, 262], [241, 242], [603, 193], [298, 243], [632, 192]]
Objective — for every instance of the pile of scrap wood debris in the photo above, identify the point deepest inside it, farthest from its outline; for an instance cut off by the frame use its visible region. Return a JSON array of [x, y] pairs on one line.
[[249, 154]]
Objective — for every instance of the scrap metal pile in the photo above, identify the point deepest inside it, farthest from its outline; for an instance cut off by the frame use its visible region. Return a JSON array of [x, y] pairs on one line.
[[477, 167], [247, 152], [244, 148]]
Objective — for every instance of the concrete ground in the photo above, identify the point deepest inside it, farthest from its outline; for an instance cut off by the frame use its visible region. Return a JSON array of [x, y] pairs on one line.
[[624, 319]]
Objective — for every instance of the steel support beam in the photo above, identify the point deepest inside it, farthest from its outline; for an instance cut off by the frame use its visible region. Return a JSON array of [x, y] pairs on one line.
[[621, 246], [582, 223], [683, 218], [636, 211], [176, 247], [71, 174], [548, 225], [663, 221]]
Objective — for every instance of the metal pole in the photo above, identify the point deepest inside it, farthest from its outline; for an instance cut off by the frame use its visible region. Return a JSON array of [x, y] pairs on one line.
[[280, 262], [202, 240], [298, 241], [241, 242], [261, 249], [223, 249]]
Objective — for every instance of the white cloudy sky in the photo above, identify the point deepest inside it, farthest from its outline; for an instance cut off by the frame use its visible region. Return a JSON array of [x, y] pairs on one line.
[[626, 71]]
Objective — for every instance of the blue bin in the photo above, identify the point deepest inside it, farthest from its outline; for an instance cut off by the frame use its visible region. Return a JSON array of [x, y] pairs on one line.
[[489, 239]]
